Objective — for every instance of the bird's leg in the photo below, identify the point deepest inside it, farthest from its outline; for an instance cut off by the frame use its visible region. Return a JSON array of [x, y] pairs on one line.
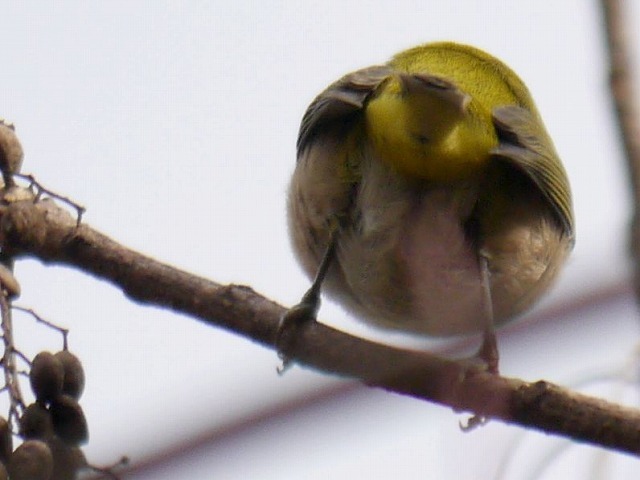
[[307, 309], [488, 351]]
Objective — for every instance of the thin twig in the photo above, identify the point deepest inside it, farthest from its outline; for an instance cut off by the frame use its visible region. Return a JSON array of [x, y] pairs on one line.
[[63, 331], [110, 471], [12, 382], [40, 190]]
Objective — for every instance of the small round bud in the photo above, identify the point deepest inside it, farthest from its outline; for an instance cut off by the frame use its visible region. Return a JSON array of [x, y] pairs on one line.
[[67, 460], [31, 461], [73, 384], [11, 153], [35, 422], [46, 376], [6, 440], [69, 422]]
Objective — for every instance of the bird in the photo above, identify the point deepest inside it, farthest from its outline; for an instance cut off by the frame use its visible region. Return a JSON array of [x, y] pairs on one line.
[[428, 197]]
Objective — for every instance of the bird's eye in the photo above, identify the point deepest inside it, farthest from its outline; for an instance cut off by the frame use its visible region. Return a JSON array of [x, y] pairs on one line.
[[420, 138]]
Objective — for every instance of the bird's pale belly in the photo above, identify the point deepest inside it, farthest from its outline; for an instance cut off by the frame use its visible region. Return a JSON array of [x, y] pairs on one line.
[[403, 258], [419, 272], [422, 273], [441, 268]]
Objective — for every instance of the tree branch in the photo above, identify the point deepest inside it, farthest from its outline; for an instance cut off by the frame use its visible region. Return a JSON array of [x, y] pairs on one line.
[[625, 103], [46, 231]]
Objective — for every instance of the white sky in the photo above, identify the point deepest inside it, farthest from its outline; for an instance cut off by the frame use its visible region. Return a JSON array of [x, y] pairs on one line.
[[175, 124]]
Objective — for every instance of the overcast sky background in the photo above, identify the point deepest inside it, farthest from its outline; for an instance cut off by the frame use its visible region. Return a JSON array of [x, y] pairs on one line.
[[175, 123]]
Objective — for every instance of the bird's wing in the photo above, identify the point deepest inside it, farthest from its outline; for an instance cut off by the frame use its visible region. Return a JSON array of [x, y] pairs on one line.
[[525, 144], [338, 106]]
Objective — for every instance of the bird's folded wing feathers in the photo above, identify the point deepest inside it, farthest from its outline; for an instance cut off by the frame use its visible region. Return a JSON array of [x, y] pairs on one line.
[[339, 103], [526, 145]]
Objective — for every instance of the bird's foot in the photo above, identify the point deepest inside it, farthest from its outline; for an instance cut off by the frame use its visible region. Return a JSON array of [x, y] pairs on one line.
[[303, 312], [487, 360]]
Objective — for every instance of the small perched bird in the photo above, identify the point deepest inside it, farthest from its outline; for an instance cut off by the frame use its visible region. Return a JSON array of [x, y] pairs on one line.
[[428, 197]]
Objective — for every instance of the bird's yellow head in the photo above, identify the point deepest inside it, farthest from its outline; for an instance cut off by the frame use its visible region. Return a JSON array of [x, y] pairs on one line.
[[432, 120]]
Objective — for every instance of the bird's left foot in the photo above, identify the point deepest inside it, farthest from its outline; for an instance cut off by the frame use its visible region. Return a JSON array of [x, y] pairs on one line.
[[487, 358], [303, 312]]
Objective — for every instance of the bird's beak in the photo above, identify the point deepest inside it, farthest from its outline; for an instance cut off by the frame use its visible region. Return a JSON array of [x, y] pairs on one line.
[[437, 87]]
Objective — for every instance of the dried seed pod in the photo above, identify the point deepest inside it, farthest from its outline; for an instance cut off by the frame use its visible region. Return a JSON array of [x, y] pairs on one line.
[[6, 441], [69, 422], [73, 384], [11, 153], [9, 282], [35, 422], [46, 376], [67, 460], [31, 461]]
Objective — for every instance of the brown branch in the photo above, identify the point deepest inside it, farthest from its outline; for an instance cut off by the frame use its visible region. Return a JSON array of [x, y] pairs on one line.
[[45, 231], [625, 102], [11, 382]]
